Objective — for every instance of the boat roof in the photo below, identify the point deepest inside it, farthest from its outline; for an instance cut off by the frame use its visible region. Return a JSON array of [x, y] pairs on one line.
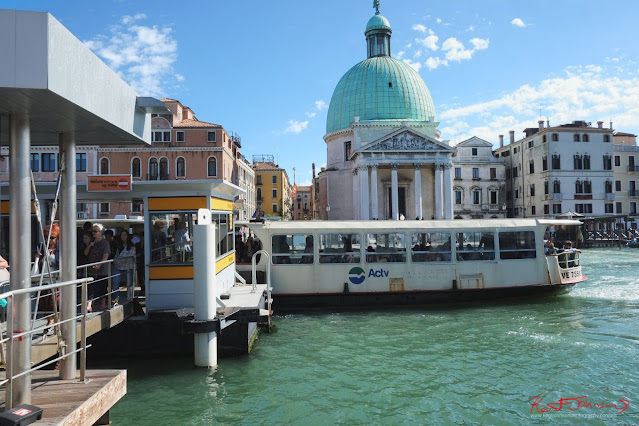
[[342, 225]]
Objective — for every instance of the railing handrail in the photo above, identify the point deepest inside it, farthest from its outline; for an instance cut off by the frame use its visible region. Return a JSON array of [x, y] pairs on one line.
[[42, 287], [12, 334]]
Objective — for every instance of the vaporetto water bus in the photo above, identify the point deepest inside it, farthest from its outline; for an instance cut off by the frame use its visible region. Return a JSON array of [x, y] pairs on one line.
[[395, 263]]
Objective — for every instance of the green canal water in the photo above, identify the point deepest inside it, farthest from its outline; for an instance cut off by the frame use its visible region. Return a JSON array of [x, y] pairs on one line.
[[480, 364]]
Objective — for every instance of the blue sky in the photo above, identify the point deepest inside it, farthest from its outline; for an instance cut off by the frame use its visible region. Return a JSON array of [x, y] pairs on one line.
[[267, 70]]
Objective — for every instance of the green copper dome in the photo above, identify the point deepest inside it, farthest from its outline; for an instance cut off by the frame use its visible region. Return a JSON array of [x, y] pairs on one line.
[[379, 88], [377, 22]]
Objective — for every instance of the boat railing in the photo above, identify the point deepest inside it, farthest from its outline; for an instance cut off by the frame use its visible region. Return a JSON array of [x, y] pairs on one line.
[[11, 335], [568, 259], [268, 275]]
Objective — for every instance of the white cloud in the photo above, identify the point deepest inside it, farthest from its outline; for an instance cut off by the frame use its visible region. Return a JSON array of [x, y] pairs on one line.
[[480, 43], [143, 56], [296, 127], [429, 42], [420, 28], [434, 62], [580, 94], [320, 105], [400, 54], [310, 114], [439, 20], [415, 65], [518, 23], [452, 44], [471, 28]]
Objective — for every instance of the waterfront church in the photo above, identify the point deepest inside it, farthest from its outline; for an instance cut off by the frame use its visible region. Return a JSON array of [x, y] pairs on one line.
[[384, 159]]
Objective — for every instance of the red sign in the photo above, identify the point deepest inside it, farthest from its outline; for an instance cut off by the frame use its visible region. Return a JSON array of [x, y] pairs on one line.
[[21, 412], [108, 183]]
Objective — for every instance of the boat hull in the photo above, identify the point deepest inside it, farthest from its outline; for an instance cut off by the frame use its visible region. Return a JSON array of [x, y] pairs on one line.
[[284, 303]]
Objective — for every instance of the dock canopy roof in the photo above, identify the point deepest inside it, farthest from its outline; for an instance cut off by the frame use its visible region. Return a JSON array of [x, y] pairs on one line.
[[50, 75]]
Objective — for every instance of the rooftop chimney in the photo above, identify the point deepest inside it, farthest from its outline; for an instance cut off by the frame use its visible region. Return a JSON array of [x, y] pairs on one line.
[[610, 124], [600, 124], [512, 136], [547, 122], [501, 141], [313, 170], [541, 124]]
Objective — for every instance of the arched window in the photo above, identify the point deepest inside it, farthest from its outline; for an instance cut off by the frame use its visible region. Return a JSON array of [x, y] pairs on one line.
[[576, 138], [104, 166], [180, 167], [555, 137], [606, 138], [587, 187], [259, 194], [136, 167], [586, 162], [546, 187], [579, 187], [608, 187], [211, 167], [585, 138], [153, 168], [459, 195], [556, 187], [164, 168]]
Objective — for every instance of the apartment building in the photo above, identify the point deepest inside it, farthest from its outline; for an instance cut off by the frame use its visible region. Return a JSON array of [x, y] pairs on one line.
[[626, 175], [303, 203], [553, 170], [272, 188], [478, 181]]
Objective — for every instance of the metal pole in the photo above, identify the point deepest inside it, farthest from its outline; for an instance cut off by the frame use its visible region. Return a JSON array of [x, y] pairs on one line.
[[69, 244], [204, 282], [20, 251]]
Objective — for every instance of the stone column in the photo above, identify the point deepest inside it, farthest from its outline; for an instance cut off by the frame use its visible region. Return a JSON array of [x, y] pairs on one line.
[[438, 191], [418, 191], [394, 193], [364, 203], [448, 192], [374, 203], [355, 195]]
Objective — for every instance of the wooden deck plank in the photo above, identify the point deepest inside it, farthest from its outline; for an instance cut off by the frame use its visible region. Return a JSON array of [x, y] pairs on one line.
[[69, 402]]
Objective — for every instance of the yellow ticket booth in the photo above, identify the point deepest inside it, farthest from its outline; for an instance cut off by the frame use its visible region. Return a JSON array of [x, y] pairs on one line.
[[169, 248]]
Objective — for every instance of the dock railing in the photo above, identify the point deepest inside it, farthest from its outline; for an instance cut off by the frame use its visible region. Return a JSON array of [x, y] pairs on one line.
[[268, 277], [67, 348], [110, 295]]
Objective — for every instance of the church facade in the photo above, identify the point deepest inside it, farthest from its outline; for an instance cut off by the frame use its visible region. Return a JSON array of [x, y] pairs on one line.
[[384, 158]]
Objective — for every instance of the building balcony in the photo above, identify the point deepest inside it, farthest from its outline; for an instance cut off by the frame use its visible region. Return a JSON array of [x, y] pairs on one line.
[[583, 196], [633, 169], [610, 197], [557, 196], [82, 215], [476, 178], [633, 193]]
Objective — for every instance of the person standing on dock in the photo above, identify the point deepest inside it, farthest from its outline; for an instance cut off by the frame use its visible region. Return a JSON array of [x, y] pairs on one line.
[[99, 252]]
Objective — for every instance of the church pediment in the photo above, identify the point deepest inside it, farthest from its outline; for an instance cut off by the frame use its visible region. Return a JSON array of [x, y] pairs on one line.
[[407, 140]]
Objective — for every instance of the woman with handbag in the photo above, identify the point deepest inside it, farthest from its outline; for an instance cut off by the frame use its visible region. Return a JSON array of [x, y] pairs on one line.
[[124, 263]]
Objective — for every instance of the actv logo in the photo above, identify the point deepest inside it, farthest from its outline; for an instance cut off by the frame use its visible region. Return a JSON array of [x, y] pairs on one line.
[[356, 275]]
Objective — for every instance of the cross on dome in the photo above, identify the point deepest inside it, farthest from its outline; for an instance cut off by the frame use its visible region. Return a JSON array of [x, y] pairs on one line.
[[376, 6]]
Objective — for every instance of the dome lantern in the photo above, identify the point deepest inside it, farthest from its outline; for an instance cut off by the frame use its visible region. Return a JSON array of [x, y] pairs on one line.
[[378, 33]]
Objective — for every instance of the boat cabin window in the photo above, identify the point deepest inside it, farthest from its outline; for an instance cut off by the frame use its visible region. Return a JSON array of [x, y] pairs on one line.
[[517, 245], [339, 248], [385, 247], [172, 237], [223, 233], [430, 247], [295, 249], [475, 245]]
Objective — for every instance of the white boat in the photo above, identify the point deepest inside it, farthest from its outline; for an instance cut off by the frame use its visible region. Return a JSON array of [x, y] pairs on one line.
[[395, 263]]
